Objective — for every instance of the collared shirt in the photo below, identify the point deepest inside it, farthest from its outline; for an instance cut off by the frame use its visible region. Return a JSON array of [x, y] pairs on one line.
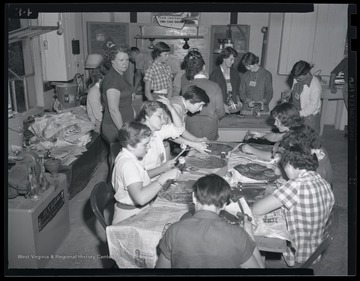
[[127, 170], [156, 154], [159, 75], [309, 97], [307, 201], [206, 241]]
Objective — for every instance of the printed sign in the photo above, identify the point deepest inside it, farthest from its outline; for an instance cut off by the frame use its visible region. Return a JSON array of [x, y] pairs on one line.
[[170, 21]]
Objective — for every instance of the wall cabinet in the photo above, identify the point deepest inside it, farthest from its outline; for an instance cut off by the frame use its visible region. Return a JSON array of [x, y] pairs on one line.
[[239, 36], [318, 37], [62, 55]]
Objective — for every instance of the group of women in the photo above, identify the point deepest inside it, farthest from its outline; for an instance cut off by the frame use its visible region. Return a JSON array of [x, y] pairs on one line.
[[139, 163]]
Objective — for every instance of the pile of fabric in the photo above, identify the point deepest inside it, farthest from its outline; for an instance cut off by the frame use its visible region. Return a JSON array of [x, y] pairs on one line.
[[64, 135]]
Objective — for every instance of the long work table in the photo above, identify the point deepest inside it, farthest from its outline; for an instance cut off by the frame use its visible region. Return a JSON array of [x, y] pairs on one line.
[[233, 128], [133, 242]]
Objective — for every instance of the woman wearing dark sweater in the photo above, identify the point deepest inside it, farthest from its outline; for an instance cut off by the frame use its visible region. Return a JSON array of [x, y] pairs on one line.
[[228, 79]]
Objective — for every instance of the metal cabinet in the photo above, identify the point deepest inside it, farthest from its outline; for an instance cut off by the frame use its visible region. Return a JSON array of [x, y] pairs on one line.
[[62, 49]]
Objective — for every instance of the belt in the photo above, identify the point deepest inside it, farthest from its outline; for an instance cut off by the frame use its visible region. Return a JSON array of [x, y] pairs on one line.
[[125, 206], [162, 92]]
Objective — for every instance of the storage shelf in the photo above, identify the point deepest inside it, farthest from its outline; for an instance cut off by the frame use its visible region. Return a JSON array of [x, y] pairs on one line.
[[169, 37], [29, 32]]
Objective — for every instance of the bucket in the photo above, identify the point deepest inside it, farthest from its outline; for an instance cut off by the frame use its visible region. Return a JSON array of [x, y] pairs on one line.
[[67, 94], [16, 133]]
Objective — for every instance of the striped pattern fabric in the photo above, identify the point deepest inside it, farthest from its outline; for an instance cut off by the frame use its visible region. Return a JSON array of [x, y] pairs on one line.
[[307, 201]]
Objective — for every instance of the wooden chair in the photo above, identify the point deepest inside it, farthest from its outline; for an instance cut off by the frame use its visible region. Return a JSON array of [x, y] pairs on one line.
[[329, 234]]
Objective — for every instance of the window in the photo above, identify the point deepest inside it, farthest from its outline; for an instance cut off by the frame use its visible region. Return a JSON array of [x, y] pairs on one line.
[[21, 93]]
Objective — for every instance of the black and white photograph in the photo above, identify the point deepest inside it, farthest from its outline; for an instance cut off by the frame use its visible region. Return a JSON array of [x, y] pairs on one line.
[[187, 139]]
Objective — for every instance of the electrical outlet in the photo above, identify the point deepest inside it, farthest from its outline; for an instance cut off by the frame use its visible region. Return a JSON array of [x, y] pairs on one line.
[[45, 43]]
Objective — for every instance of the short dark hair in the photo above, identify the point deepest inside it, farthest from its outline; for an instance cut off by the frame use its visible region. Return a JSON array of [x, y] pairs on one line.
[[288, 114], [159, 48], [249, 59], [134, 49], [212, 190], [192, 53], [226, 53], [300, 157], [300, 68], [194, 66], [195, 95], [131, 133]]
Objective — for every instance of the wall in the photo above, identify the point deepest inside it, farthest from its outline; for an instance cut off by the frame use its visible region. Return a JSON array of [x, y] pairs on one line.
[[274, 22], [255, 20]]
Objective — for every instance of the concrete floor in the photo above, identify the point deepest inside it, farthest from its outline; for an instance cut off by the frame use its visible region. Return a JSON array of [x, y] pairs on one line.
[[87, 239]]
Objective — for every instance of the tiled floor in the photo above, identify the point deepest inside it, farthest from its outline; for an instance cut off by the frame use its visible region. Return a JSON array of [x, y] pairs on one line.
[[85, 246]]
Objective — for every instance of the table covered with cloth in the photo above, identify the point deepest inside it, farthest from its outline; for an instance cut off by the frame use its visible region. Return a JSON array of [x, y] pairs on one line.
[[133, 243]]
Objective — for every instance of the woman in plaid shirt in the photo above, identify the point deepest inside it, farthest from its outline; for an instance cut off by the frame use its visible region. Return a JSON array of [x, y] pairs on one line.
[[307, 200], [158, 77]]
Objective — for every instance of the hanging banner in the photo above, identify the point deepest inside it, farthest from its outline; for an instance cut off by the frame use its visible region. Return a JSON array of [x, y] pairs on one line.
[[170, 21]]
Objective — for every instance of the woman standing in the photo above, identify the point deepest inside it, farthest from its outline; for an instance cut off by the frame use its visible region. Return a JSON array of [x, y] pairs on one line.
[[116, 95], [256, 89], [228, 79], [158, 77], [206, 122], [305, 94], [93, 99]]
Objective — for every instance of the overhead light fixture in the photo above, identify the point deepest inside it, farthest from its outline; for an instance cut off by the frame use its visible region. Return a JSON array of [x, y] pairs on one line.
[[60, 30], [151, 43], [226, 42], [186, 45], [221, 44]]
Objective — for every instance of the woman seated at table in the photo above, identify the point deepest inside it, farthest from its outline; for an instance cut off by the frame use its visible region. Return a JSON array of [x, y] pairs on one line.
[[204, 240], [283, 111], [307, 200], [152, 114], [310, 138], [133, 187], [286, 118]]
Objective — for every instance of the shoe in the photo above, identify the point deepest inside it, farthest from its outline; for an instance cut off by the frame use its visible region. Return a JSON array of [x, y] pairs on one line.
[[240, 115]]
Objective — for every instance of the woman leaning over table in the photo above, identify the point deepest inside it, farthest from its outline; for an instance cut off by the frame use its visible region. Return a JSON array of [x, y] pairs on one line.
[[152, 114], [286, 118], [206, 122], [133, 187], [192, 100], [116, 96], [228, 79]]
